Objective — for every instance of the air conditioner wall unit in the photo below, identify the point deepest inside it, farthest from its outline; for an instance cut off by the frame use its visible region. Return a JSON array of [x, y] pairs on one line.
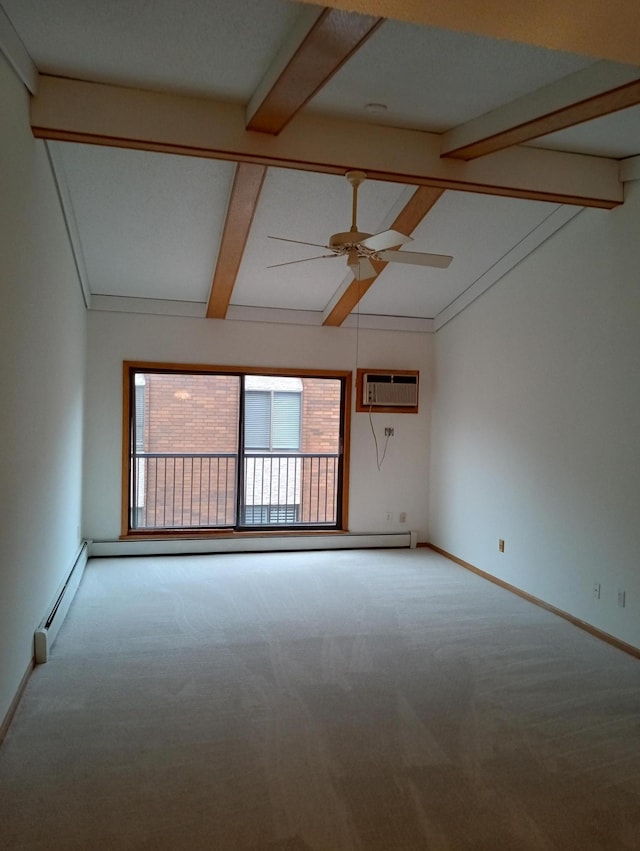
[[390, 390]]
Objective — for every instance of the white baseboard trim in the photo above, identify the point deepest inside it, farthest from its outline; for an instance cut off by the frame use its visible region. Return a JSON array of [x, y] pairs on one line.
[[5, 723], [48, 630], [266, 543]]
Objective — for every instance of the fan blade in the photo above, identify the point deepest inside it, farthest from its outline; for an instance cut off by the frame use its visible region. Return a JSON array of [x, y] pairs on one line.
[[364, 270], [385, 239], [416, 258], [297, 241], [304, 260]]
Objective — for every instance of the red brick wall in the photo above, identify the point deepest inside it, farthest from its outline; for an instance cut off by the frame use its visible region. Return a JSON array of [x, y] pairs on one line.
[[191, 413], [320, 415]]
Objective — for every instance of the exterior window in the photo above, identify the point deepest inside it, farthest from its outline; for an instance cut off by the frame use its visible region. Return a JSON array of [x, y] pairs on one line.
[[211, 449], [265, 514], [272, 420]]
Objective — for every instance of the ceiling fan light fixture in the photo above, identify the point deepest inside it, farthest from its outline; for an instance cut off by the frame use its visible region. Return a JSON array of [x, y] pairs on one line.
[[366, 270]]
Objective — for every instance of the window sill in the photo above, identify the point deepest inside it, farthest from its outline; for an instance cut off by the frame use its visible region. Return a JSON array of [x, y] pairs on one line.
[[181, 534]]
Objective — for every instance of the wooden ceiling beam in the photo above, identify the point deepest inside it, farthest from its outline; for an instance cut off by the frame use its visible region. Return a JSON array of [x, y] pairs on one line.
[[304, 66], [593, 92], [79, 111], [630, 169], [352, 291], [247, 185]]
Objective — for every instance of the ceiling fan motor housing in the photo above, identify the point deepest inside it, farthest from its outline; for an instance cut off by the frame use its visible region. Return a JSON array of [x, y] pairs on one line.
[[346, 240]]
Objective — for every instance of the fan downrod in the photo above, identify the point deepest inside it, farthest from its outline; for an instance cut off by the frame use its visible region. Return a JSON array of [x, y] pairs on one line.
[[349, 239]]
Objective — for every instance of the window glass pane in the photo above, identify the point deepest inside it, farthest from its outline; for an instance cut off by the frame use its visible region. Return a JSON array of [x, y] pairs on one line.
[[286, 420], [184, 464], [257, 419]]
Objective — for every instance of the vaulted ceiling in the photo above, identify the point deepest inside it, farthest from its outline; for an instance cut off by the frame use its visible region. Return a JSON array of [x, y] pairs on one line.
[[183, 135]]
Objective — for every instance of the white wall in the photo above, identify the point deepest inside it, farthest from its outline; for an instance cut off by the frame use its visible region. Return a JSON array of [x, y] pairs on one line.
[[536, 423], [401, 484], [42, 339]]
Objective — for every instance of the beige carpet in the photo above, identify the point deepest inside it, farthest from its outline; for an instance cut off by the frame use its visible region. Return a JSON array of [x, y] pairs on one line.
[[354, 700]]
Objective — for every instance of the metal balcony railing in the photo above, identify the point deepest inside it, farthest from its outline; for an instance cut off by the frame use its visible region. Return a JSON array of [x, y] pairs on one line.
[[200, 490]]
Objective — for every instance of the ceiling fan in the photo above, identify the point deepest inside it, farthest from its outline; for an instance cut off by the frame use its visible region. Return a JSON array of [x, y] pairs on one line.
[[361, 248]]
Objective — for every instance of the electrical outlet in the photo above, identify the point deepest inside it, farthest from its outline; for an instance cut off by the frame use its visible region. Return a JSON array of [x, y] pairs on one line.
[[501, 545], [596, 590], [389, 516], [402, 517], [388, 432], [622, 599]]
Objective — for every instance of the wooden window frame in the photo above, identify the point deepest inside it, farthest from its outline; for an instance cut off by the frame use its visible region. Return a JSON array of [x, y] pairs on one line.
[[128, 370]]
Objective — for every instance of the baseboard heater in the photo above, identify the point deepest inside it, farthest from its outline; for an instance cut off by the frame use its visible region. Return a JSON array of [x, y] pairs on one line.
[[206, 546], [48, 630]]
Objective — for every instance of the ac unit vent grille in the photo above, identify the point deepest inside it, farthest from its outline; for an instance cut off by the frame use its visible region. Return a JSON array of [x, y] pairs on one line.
[[390, 390]]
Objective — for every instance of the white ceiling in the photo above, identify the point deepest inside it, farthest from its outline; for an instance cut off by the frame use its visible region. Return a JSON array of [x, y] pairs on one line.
[[616, 135], [189, 46], [146, 221], [432, 79], [148, 226]]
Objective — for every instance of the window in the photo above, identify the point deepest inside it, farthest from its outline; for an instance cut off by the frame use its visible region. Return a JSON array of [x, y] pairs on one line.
[[265, 514], [272, 420], [208, 450]]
